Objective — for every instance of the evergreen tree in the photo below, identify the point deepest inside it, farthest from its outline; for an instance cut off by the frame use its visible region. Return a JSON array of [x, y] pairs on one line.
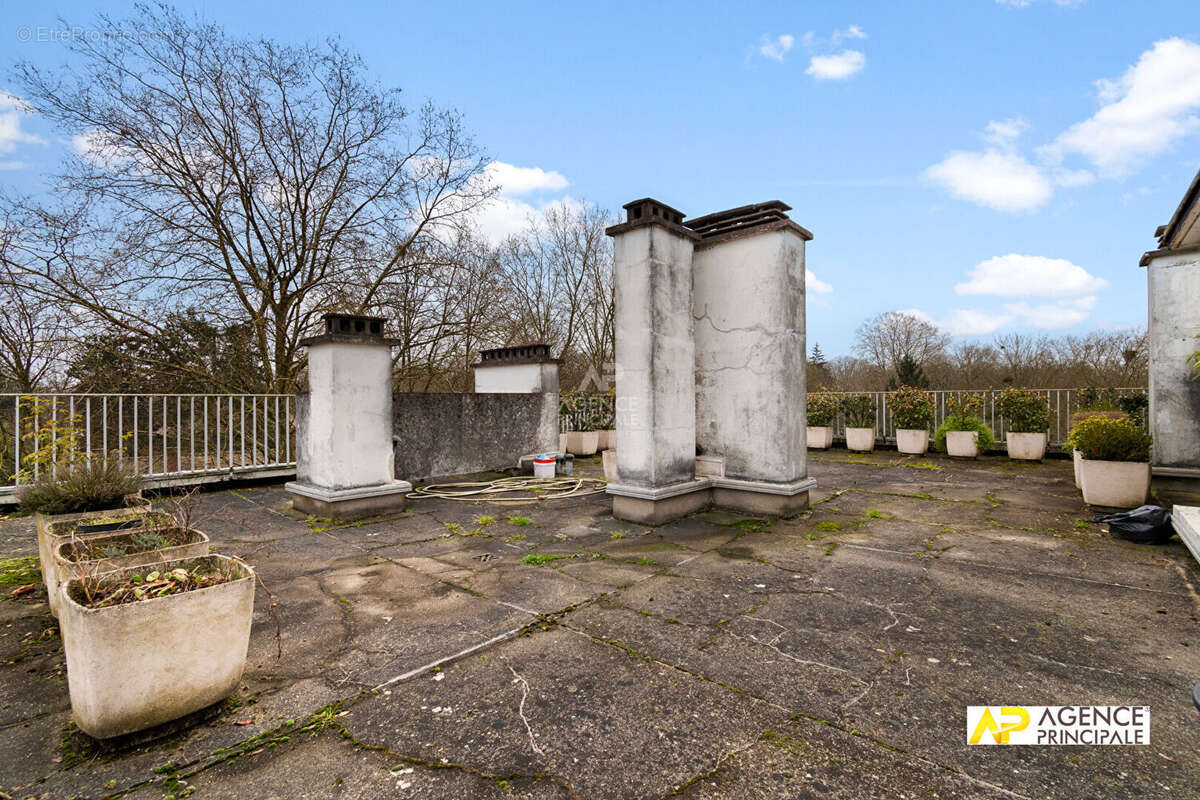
[[908, 373]]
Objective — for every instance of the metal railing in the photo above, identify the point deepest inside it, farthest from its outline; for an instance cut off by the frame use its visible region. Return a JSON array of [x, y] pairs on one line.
[[584, 411], [1063, 403], [163, 438]]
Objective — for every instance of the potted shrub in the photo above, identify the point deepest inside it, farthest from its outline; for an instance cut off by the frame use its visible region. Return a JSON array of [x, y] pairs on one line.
[[912, 413], [607, 423], [859, 411], [822, 413], [147, 645], [1115, 464], [1028, 416], [158, 539], [963, 434], [1078, 417]]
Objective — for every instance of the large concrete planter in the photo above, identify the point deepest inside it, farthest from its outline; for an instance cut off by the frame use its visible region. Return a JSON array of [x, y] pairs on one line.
[[563, 439], [606, 440], [911, 441], [183, 544], [583, 443], [1026, 446], [53, 530], [820, 437], [860, 439], [134, 666], [962, 444], [1115, 484], [609, 457], [1077, 457]]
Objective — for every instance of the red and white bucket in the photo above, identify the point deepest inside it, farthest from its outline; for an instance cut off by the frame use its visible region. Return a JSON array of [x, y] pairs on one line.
[[543, 466]]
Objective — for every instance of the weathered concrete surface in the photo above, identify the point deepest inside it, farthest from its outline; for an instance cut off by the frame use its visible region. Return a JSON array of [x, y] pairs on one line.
[[1173, 286], [828, 655], [457, 433]]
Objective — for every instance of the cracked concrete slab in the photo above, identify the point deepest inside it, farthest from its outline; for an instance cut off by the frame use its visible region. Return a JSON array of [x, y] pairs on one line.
[[717, 656]]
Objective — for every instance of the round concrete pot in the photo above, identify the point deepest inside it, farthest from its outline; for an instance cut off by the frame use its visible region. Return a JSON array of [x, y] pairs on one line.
[[583, 443], [861, 440], [820, 437], [53, 530], [182, 544], [1026, 446], [1114, 484], [962, 444], [911, 441], [609, 457], [1077, 457], [134, 666]]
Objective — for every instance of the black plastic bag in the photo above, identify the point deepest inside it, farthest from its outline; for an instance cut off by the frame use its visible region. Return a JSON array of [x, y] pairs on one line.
[[1144, 524]]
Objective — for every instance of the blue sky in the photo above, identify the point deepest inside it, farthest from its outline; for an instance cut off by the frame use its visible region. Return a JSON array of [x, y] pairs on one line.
[[995, 165]]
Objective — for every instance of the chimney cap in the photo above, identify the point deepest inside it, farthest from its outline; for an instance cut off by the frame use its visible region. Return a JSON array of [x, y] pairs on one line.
[[350, 329]]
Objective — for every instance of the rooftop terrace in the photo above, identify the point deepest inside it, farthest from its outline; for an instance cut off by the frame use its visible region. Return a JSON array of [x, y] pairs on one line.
[[439, 654]]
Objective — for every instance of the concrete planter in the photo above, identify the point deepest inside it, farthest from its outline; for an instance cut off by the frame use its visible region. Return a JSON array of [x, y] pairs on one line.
[[1077, 457], [185, 544], [860, 439], [1026, 446], [912, 442], [131, 667], [962, 444], [53, 530], [607, 440], [583, 443], [1115, 484], [820, 437], [609, 457], [563, 439]]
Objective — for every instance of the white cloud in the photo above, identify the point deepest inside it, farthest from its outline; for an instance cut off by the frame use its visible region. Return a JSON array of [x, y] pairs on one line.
[[836, 67], [1058, 294], [851, 32], [1005, 132], [775, 49], [515, 181], [14, 165], [815, 285], [1145, 111], [1016, 275], [13, 110], [1003, 181]]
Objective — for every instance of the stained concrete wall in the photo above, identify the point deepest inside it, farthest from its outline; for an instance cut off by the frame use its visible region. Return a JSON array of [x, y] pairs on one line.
[[344, 422], [1174, 295], [748, 307], [449, 434], [655, 354]]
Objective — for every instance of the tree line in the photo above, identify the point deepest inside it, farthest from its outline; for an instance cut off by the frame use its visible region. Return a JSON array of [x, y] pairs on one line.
[[896, 349]]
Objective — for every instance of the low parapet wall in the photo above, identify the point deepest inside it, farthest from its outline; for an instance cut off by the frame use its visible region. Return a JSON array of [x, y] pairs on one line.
[[449, 434]]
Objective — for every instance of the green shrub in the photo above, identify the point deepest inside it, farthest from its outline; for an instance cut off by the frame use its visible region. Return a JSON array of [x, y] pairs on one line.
[[859, 410], [1134, 404], [912, 408], [1106, 439], [79, 487], [1025, 410], [964, 423], [822, 409], [965, 405]]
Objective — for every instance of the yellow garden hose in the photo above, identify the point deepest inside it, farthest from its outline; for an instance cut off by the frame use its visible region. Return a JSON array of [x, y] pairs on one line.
[[520, 489]]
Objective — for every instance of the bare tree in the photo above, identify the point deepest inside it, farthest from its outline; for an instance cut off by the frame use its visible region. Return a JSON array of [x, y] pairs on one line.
[[887, 338], [262, 182]]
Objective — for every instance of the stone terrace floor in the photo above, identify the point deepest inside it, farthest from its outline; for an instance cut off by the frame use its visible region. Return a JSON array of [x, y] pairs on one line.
[[830, 655]]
